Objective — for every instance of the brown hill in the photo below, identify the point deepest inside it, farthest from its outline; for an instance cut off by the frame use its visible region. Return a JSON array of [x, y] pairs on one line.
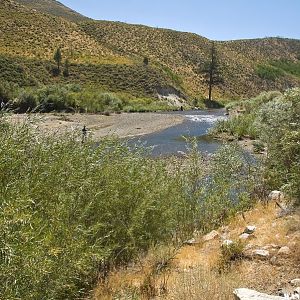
[[247, 66]]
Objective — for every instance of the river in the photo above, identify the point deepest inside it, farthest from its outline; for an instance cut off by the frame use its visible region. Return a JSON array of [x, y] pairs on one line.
[[172, 141]]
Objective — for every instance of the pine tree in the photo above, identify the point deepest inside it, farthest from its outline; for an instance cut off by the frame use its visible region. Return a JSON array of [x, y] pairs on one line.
[[146, 61], [212, 71], [58, 58], [66, 71]]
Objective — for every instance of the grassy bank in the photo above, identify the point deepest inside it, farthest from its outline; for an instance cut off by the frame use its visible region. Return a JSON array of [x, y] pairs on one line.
[[75, 98], [70, 212], [274, 119]]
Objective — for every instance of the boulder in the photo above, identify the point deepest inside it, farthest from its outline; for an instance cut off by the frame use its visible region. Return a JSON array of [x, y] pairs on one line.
[[295, 282], [190, 242], [227, 243], [276, 196], [261, 253], [247, 294], [250, 229], [284, 250], [211, 236], [244, 236]]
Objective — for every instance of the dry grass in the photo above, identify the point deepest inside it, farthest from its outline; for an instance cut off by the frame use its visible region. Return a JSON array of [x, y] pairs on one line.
[[203, 284], [193, 273]]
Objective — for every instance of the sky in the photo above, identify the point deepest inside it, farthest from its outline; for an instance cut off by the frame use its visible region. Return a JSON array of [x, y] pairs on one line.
[[214, 19]]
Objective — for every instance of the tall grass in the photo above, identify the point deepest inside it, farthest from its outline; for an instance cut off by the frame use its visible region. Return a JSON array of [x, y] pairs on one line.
[[70, 211], [237, 126]]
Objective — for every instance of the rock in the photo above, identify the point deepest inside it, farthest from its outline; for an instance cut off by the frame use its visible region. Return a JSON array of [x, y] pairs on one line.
[[273, 260], [271, 246], [296, 294], [190, 242], [284, 212], [227, 243], [244, 236], [211, 236], [276, 196], [284, 250], [295, 282], [250, 229], [284, 293], [247, 294], [261, 253]]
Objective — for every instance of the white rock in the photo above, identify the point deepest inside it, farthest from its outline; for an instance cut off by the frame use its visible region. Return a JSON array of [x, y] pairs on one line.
[[295, 282], [273, 260], [295, 296], [244, 236], [261, 253], [211, 236], [296, 293], [227, 243], [276, 196], [190, 242], [250, 229], [284, 250], [271, 246], [246, 294]]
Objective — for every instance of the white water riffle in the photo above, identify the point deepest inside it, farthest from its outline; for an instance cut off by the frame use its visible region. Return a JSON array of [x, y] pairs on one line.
[[205, 118]]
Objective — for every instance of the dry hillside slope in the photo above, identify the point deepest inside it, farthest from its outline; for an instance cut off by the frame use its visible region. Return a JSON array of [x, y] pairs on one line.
[[34, 29]]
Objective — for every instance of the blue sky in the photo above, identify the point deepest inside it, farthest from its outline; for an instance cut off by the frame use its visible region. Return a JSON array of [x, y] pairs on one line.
[[214, 19]]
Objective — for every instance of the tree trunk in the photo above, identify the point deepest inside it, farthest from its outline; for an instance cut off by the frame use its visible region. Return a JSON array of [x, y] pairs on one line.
[[210, 84]]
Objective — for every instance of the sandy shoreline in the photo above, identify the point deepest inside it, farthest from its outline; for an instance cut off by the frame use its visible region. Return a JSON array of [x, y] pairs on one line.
[[121, 125]]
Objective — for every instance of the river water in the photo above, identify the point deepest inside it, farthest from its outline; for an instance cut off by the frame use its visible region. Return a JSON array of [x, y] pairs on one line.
[[172, 141]]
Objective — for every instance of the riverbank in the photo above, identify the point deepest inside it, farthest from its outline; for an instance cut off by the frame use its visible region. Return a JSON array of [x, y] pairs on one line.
[[193, 271], [98, 126]]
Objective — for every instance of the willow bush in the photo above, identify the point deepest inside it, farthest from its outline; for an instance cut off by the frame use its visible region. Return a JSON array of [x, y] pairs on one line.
[[70, 211]]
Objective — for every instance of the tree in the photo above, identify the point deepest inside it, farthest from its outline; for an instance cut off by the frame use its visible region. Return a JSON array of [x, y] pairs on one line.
[[146, 61], [212, 71], [58, 58], [66, 71]]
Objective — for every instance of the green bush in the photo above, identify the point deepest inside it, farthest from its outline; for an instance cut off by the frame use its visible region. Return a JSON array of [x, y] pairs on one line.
[[288, 66], [8, 91], [69, 211], [230, 253], [26, 101], [274, 118], [268, 72], [237, 126]]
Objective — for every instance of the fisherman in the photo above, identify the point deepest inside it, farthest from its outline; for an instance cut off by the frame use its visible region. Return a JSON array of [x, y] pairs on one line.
[[84, 134]]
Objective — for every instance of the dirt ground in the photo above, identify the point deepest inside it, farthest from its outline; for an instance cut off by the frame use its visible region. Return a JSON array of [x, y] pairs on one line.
[[98, 126]]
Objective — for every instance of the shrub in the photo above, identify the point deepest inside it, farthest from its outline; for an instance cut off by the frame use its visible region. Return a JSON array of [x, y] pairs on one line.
[[238, 126], [230, 253], [27, 101], [70, 211], [268, 72]]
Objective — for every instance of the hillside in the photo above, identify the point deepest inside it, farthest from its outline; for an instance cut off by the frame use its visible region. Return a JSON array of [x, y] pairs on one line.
[[186, 53], [32, 30], [53, 7], [29, 40]]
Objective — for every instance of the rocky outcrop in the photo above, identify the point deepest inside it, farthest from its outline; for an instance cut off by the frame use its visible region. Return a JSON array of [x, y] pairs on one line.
[[276, 196], [247, 294], [211, 236]]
